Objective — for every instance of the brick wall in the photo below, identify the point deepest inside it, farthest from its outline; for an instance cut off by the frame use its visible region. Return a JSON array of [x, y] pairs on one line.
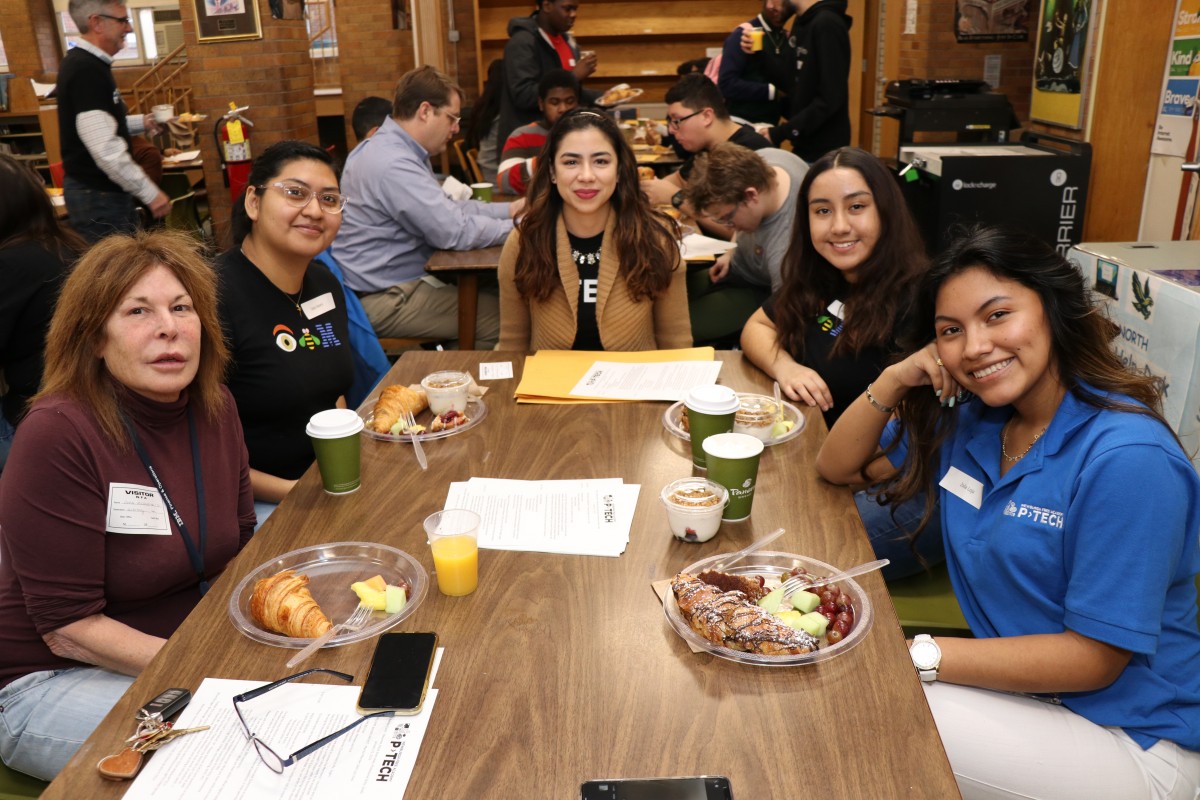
[[372, 54], [272, 75], [30, 37], [933, 52]]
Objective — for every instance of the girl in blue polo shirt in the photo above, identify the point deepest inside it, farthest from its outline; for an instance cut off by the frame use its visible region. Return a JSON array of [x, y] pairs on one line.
[[1071, 518]]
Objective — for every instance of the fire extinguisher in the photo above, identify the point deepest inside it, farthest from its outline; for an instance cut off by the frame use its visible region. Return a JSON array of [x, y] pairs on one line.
[[232, 137]]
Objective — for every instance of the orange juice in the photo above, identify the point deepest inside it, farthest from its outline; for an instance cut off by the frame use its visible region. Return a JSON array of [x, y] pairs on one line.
[[456, 562]]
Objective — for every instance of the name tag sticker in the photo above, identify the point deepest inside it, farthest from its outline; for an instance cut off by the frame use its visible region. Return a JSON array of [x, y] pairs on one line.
[[962, 486], [318, 305], [837, 308], [495, 370], [136, 509]]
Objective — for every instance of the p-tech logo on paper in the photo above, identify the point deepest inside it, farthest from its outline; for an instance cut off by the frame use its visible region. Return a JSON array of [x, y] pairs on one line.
[[387, 767]]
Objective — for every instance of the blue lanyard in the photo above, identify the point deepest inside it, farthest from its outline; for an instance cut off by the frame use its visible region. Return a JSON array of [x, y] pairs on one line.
[[195, 555]]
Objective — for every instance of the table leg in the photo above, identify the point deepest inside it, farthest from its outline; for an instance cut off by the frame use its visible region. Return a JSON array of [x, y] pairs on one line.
[[468, 308]]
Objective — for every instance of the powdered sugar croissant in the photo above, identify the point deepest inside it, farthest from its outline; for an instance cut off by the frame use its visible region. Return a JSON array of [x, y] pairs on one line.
[[393, 402], [283, 604]]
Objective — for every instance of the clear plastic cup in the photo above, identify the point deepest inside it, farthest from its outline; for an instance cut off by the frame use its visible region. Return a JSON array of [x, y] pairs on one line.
[[447, 390], [756, 416], [694, 508]]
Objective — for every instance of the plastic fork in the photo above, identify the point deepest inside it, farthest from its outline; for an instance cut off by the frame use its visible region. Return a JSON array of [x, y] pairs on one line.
[[355, 622], [748, 549], [411, 422], [798, 582]]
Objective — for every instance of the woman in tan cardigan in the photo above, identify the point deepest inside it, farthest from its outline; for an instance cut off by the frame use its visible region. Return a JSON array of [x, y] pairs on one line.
[[591, 266]]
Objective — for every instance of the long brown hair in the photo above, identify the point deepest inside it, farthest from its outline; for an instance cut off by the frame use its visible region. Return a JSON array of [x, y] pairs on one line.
[[1080, 344], [645, 239], [93, 291], [26, 214], [877, 300]]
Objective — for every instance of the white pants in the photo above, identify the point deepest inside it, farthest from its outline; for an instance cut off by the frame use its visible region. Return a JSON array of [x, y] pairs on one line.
[[1008, 746]]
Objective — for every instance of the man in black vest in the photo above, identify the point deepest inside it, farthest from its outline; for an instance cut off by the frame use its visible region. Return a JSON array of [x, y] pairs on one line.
[[102, 180]]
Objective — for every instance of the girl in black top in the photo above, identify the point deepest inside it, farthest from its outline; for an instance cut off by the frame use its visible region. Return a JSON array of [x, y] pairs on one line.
[[848, 279], [284, 314]]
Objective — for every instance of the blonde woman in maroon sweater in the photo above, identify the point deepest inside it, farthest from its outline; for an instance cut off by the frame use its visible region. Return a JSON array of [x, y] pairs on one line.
[[132, 421]]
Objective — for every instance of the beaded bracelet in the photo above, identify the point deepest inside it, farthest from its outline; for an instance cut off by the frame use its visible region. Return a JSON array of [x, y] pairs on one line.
[[876, 404]]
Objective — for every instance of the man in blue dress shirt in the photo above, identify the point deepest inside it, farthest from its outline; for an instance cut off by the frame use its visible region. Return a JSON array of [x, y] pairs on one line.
[[397, 215]]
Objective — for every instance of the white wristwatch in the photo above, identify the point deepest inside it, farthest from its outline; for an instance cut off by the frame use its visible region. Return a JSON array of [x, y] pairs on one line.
[[926, 657]]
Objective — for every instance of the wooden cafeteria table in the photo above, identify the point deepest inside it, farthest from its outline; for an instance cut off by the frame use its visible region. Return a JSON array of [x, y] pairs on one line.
[[559, 669], [465, 266]]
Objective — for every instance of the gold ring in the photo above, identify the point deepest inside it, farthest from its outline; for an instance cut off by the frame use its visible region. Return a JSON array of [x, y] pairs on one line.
[[938, 359]]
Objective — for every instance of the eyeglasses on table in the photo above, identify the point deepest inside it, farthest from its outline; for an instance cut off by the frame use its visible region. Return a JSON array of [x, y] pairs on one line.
[[275, 762]]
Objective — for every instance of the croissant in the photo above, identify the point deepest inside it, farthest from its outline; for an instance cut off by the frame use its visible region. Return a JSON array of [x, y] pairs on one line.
[[730, 620], [283, 604], [392, 404]]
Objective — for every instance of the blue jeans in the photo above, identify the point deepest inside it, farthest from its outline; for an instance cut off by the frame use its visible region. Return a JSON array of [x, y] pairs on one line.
[[46, 716], [889, 536], [262, 510], [6, 437], [95, 215]]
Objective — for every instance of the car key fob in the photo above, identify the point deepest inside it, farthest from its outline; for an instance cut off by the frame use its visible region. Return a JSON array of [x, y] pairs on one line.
[[166, 705]]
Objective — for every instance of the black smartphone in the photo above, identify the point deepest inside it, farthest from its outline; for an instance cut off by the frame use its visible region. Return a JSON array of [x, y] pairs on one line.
[[701, 787], [399, 673]]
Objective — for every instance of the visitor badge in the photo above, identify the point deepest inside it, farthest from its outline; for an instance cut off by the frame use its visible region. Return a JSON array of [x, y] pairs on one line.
[[318, 305], [962, 486], [136, 509]]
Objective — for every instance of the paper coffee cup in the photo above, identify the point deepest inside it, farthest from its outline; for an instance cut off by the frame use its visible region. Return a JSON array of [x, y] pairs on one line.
[[710, 410], [482, 191], [163, 113], [733, 463], [336, 442], [756, 40]]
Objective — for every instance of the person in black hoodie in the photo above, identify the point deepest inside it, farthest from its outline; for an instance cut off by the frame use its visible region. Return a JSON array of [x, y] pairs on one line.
[[819, 104], [536, 44]]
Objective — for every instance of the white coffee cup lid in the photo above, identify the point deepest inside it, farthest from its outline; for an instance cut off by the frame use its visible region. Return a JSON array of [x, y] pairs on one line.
[[482, 185], [712, 399], [334, 423], [732, 445]]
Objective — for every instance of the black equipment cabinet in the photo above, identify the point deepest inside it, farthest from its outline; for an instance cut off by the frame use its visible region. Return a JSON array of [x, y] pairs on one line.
[[1039, 184]]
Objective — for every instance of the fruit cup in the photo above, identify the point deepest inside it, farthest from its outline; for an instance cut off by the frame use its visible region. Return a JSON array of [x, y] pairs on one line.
[[755, 416], [694, 507], [447, 390]]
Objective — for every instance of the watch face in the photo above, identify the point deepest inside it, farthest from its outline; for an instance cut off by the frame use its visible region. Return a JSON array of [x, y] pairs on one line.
[[925, 655]]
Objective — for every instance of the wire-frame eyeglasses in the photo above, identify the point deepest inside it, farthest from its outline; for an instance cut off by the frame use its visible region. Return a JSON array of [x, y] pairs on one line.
[[298, 195], [274, 761]]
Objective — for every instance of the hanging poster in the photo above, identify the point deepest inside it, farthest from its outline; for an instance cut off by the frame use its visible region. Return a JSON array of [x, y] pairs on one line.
[[992, 20], [1177, 116], [1060, 68]]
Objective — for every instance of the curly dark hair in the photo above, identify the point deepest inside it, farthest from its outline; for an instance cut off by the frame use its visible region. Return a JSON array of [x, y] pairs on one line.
[[1081, 338], [876, 302], [646, 239]]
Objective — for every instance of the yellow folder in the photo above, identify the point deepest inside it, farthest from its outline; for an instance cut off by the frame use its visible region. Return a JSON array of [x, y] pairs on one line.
[[550, 375]]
